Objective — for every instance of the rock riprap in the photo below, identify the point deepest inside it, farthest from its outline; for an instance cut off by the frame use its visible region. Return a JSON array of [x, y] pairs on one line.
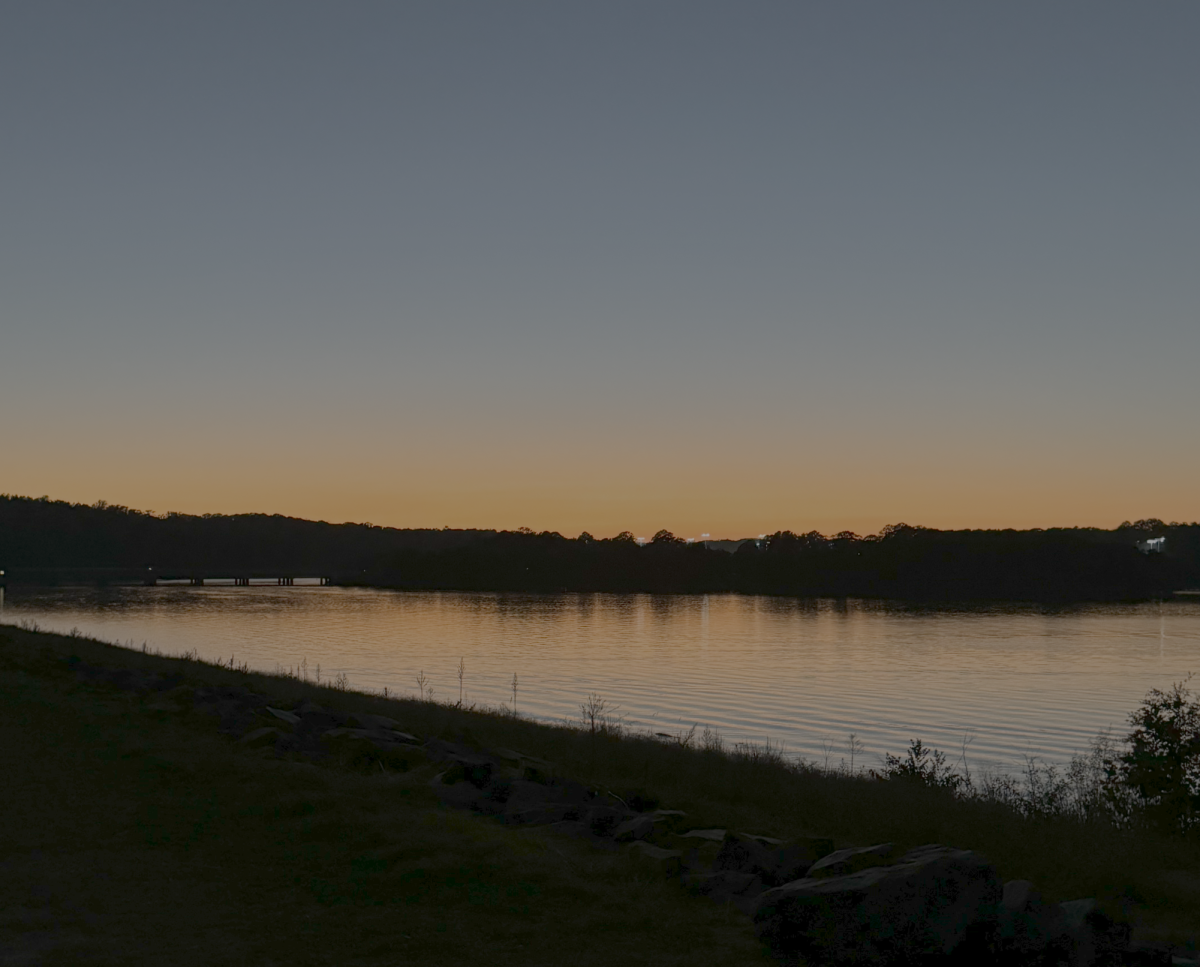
[[934, 903]]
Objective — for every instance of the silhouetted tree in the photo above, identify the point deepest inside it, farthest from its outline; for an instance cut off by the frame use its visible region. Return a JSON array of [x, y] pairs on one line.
[[901, 562], [1163, 759]]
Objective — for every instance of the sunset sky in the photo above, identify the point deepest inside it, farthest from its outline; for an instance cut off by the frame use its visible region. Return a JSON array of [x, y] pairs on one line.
[[715, 267]]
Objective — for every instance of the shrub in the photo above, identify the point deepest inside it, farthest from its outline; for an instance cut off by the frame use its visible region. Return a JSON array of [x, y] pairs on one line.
[[1162, 762], [924, 765]]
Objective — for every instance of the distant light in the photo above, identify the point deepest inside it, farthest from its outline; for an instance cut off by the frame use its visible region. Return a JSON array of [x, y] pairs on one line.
[[761, 536], [706, 535]]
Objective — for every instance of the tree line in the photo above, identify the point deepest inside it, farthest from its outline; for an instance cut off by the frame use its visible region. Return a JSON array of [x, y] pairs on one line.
[[901, 562], [40, 538], [41, 535]]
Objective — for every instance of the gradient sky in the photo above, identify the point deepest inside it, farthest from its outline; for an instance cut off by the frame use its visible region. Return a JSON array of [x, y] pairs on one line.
[[716, 267]]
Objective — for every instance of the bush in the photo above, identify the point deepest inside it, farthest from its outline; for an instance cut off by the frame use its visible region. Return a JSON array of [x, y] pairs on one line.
[[923, 765], [1162, 762]]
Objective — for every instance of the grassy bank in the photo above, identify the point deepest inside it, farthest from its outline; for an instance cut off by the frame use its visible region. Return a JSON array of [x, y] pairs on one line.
[[133, 833]]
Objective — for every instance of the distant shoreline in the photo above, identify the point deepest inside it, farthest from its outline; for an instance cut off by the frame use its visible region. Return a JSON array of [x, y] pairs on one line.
[[45, 542], [307, 583]]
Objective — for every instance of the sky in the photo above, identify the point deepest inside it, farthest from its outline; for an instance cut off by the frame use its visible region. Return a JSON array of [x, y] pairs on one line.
[[721, 268]]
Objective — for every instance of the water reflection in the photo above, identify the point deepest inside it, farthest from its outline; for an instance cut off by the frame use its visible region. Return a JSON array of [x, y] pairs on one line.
[[1020, 679]]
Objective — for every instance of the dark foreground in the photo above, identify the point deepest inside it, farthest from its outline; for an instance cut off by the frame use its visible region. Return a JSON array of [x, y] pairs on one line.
[[133, 832], [158, 810]]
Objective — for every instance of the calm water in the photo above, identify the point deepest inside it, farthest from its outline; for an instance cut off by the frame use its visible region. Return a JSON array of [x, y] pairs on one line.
[[1015, 680]]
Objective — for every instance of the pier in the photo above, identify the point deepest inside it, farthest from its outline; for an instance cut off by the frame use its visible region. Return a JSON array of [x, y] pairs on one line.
[[237, 581], [153, 576]]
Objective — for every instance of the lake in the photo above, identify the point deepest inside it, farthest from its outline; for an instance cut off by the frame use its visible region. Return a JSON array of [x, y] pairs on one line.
[[1009, 680]]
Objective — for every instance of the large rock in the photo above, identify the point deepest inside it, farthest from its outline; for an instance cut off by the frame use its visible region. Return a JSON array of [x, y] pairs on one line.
[[602, 818], [1026, 925], [371, 752], [526, 801], [531, 768], [639, 827], [934, 903], [291, 718], [714, 835], [353, 733], [772, 859], [532, 802], [768, 840], [845, 861], [319, 721], [308, 746], [380, 725], [375, 723], [1090, 936], [668, 822], [727, 886], [525, 792], [741, 854], [475, 768], [794, 860]]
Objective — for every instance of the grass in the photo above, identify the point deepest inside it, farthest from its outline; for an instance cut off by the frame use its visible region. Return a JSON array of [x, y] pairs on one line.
[[133, 833]]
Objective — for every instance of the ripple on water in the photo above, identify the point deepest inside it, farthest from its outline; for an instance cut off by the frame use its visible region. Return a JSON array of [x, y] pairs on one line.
[[1014, 680]]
